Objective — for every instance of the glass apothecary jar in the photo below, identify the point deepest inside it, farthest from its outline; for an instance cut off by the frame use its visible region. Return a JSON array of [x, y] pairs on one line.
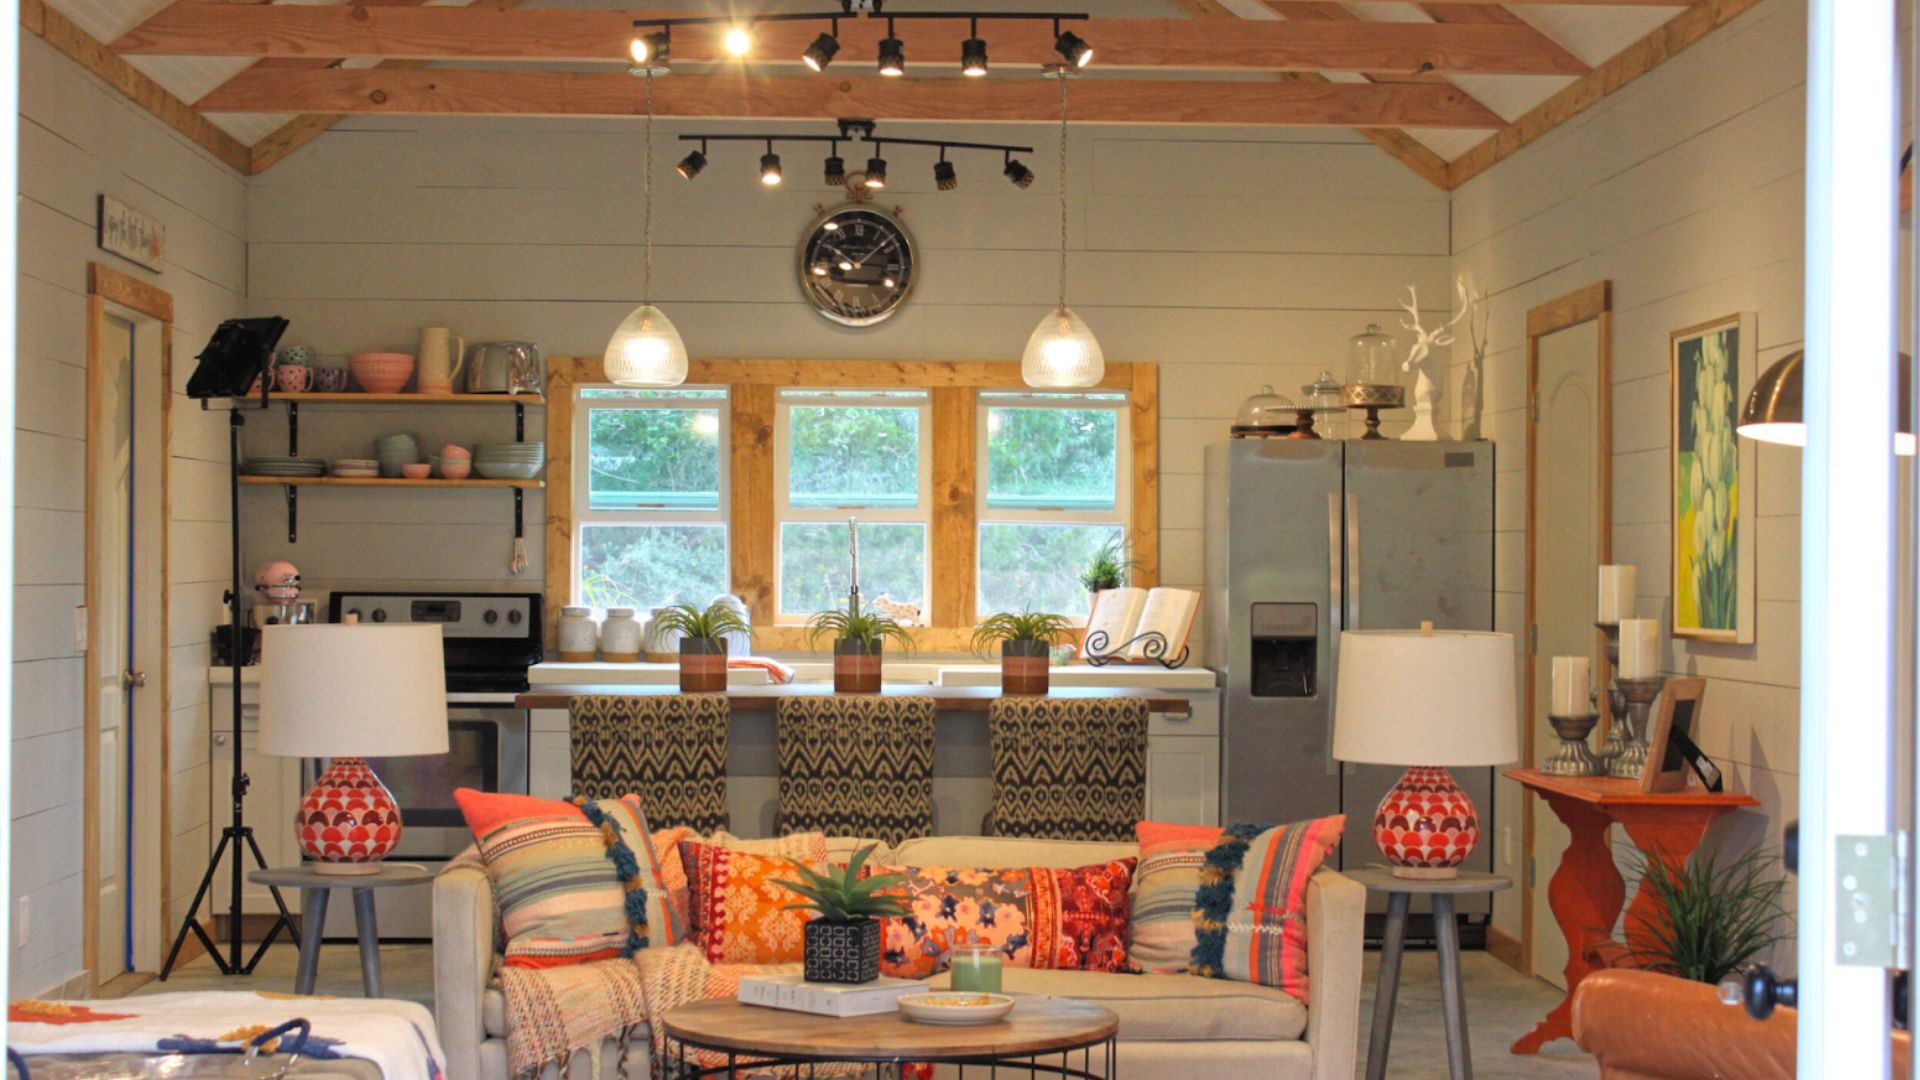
[[1325, 401], [1265, 414]]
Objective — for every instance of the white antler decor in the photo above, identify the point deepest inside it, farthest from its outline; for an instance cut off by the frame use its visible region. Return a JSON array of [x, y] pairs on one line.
[[1428, 386]]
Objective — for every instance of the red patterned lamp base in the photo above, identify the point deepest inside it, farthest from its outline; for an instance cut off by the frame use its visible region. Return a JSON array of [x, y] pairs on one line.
[[1426, 826], [348, 822]]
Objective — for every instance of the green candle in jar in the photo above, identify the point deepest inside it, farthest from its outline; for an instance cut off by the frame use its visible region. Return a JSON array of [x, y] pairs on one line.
[[976, 968]]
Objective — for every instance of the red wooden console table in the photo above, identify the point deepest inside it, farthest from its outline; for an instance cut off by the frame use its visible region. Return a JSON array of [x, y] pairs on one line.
[[1587, 892]]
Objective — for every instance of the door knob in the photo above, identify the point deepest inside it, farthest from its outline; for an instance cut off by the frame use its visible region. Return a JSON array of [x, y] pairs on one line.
[[130, 679]]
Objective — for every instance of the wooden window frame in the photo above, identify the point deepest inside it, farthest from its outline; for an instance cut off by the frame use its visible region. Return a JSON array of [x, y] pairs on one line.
[[954, 513]]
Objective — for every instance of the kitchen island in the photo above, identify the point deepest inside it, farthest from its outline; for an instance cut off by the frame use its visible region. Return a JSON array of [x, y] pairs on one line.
[[764, 698]]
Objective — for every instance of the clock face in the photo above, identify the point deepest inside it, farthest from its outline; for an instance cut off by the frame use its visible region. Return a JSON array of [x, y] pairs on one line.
[[857, 265]]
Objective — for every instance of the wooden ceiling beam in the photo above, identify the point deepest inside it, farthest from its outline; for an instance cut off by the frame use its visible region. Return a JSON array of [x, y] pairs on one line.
[[1524, 3], [558, 34], [396, 91]]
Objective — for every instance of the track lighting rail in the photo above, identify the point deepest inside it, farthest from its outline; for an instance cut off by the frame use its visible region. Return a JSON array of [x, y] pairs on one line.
[[860, 131], [652, 44], [836, 16]]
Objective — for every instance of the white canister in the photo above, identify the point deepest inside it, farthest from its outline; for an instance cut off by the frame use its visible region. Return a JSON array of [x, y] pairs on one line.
[[579, 635], [738, 644], [663, 645], [620, 636]]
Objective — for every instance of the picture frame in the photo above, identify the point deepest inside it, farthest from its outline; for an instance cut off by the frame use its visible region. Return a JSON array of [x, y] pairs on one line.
[[136, 237], [1711, 474], [1679, 710]]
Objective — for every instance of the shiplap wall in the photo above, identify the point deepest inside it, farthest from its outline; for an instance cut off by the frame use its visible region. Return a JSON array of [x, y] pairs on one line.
[[1685, 190], [1232, 258], [79, 139]]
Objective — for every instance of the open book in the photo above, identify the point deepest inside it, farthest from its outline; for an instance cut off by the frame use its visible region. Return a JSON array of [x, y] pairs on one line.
[[1124, 614]]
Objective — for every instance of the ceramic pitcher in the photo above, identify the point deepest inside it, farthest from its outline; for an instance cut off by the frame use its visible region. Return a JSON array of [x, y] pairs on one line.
[[442, 352]]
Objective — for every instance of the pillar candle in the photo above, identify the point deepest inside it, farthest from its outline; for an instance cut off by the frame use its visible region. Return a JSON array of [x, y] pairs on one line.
[[977, 970], [1572, 677], [1639, 648], [1617, 586]]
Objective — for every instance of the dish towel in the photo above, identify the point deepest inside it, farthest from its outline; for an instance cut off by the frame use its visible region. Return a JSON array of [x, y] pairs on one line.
[[1067, 768], [670, 749], [397, 1036], [855, 765], [777, 672]]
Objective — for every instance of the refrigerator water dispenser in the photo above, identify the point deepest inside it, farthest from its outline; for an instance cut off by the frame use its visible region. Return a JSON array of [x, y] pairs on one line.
[[1286, 650]]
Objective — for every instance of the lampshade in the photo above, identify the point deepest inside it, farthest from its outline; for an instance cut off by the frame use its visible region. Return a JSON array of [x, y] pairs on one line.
[[1062, 353], [352, 691], [1775, 412], [1402, 697], [646, 350]]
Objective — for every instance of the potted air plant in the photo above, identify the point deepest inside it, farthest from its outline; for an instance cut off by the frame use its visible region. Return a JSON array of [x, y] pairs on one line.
[[1025, 639], [858, 636], [1109, 568], [703, 642], [841, 944]]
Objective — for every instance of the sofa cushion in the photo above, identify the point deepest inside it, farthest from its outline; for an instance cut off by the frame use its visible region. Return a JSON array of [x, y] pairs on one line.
[[1009, 851], [807, 847], [740, 907], [1251, 912], [1170, 1008], [493, 1011], [1033, 916], [1164, 892]]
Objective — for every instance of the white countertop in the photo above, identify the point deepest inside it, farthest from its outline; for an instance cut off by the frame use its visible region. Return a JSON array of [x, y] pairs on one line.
[[927, 672]]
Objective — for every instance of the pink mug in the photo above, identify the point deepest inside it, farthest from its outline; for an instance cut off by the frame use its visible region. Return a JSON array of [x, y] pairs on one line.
[[292, 378]]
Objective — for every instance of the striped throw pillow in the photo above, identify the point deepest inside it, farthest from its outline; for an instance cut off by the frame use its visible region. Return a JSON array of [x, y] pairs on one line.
[[574, 881], [1251, 911], [1164, 887]]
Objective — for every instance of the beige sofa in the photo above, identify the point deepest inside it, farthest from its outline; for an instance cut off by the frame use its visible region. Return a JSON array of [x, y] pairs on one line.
[[1172, 1027]]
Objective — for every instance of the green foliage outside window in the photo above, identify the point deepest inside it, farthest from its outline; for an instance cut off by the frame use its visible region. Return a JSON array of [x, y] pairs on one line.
[[646, 566], [1038, 565], [1054, 458], [841, 455], [813, 564], [653, 458]]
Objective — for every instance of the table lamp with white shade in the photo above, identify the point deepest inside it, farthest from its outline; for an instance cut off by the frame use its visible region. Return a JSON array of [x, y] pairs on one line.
[[348, 692], [1426, 699]]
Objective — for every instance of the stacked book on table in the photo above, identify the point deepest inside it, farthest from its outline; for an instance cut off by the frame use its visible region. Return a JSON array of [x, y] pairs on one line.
[[793, 992]]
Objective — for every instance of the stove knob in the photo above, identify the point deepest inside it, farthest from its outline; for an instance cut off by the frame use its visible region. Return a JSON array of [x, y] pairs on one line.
[[490, 617], [514, 617], [379, 614]]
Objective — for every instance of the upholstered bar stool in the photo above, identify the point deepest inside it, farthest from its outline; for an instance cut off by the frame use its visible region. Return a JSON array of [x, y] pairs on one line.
[[1067, 768], [670, 749], [855, 765]]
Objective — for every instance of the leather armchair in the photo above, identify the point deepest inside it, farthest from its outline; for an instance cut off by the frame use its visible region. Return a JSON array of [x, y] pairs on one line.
[[1640, 1025]]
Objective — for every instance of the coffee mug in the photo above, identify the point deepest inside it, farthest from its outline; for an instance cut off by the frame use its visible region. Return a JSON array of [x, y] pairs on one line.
[[292, 378]]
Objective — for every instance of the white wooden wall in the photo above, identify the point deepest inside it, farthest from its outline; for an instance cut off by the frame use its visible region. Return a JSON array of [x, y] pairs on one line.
[[1232, 258], [79, 139], [1684, 189]]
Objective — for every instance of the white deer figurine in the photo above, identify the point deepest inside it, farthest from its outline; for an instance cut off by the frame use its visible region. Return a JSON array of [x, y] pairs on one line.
[[1428, 385]]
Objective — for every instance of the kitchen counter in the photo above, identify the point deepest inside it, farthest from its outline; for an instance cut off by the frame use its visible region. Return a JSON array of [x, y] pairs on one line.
[[935, 672], [955, 699]]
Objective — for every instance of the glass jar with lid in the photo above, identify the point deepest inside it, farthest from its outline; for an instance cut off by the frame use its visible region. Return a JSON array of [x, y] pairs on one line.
[[1325, 402], [1373, 378], [1264, 414]]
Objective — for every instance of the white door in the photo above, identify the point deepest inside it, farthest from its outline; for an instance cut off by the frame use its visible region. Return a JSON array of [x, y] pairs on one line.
[[112, 619], [1566, 568]]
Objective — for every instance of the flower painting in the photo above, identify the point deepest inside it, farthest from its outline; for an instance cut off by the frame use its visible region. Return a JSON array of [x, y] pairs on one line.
[[1712, 482]]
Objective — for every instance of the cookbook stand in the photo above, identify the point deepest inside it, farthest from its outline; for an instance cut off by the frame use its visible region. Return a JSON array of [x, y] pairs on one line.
[[1153, 649]]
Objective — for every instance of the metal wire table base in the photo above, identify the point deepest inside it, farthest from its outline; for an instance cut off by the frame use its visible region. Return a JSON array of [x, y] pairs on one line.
[[1096, 1061]]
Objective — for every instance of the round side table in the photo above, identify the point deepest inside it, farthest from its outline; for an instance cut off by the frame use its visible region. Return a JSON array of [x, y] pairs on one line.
[[1453, 1006], [315, 889]]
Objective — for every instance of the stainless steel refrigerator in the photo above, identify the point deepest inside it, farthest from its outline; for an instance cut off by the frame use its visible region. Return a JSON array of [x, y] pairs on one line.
[[1306, 538]]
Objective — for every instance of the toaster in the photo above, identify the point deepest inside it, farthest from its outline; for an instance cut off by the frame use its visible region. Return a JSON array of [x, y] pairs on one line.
[[506, 367]]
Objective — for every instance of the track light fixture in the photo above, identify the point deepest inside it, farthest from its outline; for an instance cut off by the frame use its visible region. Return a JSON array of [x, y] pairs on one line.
[[946, 175], [876, 170], [1016, 173], [893, 54], [770, 166], [691, 165], [836, 170], [973, 52], [651, 53], [738, 40], [1072, 47], [821, 52]]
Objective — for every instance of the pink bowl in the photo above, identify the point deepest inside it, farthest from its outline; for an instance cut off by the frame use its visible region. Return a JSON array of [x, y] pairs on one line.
[[454, 470], [381, 373], [417, 471], [455, 452]]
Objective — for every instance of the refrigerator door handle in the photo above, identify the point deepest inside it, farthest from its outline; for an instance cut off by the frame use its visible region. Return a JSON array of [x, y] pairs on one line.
[[1336, 616], [1353, 559]]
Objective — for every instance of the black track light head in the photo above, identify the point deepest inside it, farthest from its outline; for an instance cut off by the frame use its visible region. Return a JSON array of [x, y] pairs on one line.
[[944, 176], [836, 171], [650, 53], [1017, 174], [691, 165], [821, 52], [973, 57], [876, 172], [893, 57], [770, 168], [1073, 48]]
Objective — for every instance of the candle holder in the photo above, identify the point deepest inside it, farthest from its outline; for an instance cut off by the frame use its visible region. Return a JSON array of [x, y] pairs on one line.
[[1640, 695], [1616, 700], [1573, 758]]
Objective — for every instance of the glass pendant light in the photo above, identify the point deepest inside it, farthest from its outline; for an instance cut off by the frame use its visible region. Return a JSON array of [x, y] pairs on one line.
[[645, 349], [1062, 353]]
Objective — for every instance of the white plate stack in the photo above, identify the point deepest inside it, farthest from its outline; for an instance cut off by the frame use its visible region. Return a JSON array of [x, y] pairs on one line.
[[510, 461]]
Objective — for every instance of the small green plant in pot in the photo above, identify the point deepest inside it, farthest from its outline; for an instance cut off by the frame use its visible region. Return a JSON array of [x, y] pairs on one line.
[[841, 943], [703, 642], [859, 638], [1108, 569], [1712, 918], [1025, 638]]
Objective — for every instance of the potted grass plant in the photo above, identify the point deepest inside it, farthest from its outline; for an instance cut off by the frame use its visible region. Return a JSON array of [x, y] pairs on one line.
[[1026, 639], [1713, 918], [841, 944], [1108, 569], [703, 642], [859, 638]]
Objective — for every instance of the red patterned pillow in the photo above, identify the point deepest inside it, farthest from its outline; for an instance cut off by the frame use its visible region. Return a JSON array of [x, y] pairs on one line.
[[1036, 917], [736, 906]]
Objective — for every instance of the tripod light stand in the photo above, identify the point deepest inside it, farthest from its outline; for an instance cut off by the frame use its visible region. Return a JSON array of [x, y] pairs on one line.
[[238, 353]]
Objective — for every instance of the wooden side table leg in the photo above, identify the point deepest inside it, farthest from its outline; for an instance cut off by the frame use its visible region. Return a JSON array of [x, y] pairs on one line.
[[1672, 838], [313, 921], [1586, 895], [1453, 1002], [1393, 942], [368, 929]]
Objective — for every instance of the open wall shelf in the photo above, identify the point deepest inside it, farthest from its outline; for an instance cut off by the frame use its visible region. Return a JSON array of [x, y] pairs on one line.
[[389, 481], [356, 398]]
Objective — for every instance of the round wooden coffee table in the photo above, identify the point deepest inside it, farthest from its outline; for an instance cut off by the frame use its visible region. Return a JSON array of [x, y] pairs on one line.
[[1042, 1036]]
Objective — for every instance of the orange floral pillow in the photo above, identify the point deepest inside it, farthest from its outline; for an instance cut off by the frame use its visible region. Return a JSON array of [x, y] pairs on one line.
[[809, 848], [1035, 917], [737, 912]]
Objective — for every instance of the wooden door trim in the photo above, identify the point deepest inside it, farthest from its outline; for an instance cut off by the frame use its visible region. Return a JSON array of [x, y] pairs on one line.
[[105, 285], [1594, 303]]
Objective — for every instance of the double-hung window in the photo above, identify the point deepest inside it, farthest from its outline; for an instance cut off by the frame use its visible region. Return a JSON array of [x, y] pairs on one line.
[[650, 496], [862, 454], [1054, 477]]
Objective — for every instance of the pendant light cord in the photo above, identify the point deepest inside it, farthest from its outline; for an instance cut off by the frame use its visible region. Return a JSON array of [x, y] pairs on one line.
[[646, 279], [1063, 191]]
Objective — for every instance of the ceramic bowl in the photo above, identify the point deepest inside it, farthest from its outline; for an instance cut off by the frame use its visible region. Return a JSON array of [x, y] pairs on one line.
[[418, 470], [955, 1007], [501, 470], [381, 373], [456, 452], [456, 470]]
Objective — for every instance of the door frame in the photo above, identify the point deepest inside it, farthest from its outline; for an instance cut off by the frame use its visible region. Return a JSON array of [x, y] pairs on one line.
[[1594, 303], [128, 297]]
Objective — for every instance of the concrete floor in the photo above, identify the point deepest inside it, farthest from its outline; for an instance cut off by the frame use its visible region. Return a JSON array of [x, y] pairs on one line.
[[1502, 1005]]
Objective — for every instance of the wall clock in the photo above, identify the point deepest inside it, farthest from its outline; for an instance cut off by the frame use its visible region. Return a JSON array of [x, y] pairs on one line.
[[857, 264]]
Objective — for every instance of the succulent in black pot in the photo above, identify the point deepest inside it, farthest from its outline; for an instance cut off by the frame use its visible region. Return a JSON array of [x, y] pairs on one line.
[[842, 941]]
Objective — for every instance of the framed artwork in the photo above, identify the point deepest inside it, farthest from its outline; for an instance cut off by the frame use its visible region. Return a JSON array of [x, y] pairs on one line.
[[1712, 367], [132, 235], [1678, 712]]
